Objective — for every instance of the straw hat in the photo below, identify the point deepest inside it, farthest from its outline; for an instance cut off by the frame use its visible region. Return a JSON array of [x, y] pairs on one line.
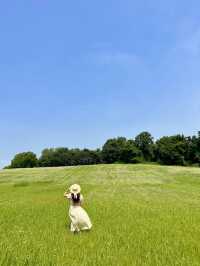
[[75, 188]]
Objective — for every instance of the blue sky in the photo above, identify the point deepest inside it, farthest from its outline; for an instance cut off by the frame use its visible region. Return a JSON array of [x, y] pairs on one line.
[[75, 73]]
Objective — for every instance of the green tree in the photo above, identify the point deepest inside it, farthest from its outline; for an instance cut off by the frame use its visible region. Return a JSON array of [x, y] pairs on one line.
[[55, 157], [172, 150], [112, 149], [194, 149], [120, 150], [144, 141], [130, 153], [24, 160], [64, 156]]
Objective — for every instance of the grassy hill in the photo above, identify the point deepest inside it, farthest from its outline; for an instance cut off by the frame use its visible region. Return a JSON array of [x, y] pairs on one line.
[[141, 214]]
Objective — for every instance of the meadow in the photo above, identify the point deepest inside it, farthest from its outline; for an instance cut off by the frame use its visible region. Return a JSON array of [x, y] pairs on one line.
[[141, 214]]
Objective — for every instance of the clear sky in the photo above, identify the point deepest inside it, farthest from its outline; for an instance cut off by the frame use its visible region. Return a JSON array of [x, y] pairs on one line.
[[75, 73]]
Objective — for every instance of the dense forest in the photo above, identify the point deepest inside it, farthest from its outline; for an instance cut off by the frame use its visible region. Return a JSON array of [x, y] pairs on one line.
[[168, 150]]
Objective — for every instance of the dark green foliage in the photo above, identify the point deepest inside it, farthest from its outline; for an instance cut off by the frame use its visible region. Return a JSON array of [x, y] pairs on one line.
[[111, 151], [7, 167], [24, 160], [170, 150], [65, 156], [130, 153], [193, 155], [54, 157], [144, 141], [120, 150]]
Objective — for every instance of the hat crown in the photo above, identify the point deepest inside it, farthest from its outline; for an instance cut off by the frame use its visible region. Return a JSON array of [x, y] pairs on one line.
[[75, 188]]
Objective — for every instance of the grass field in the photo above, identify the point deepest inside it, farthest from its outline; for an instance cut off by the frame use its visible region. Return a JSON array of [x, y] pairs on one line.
[[141, 214]]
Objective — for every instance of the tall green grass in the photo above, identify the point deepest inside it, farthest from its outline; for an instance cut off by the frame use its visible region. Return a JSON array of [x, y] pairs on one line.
[[141, 214]]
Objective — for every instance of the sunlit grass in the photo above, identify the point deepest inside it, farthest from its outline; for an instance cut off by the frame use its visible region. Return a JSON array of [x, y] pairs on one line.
[[141, 214]]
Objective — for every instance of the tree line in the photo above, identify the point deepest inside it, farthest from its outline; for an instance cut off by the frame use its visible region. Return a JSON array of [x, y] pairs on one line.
[[168, 150]]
